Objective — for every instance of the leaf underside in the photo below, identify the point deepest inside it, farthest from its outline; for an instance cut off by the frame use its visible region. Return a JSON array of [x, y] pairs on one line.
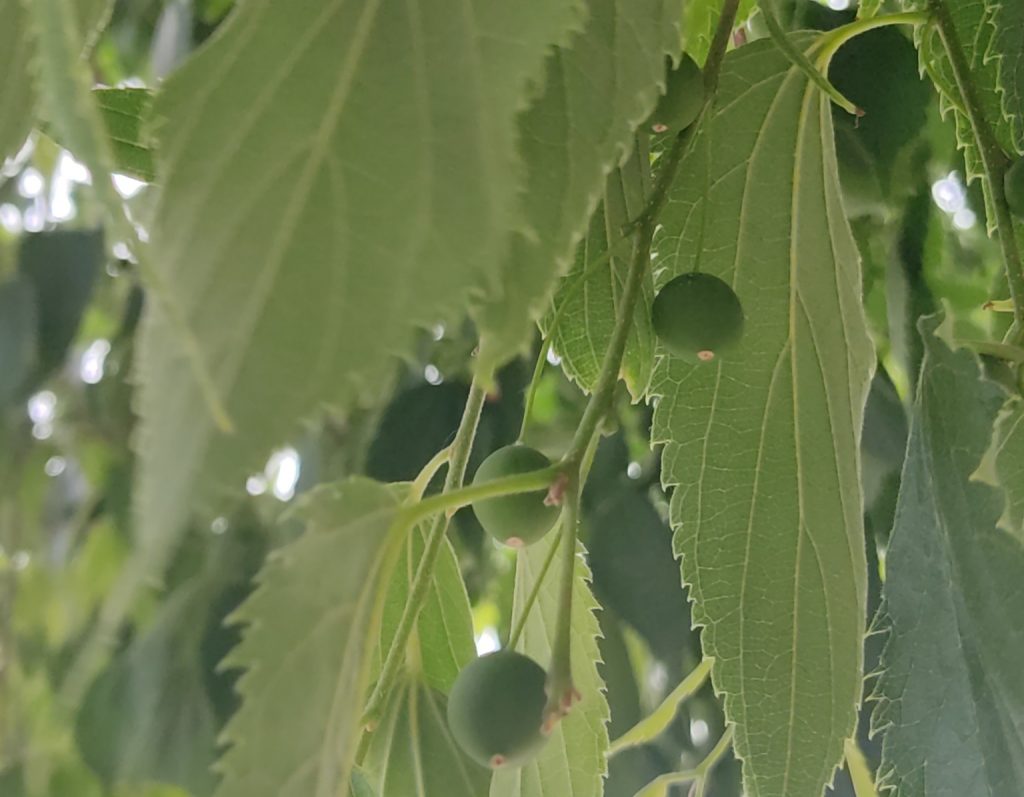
[[588, 297], [413, 753], [762, 443], [598, 88], [304, 232], [950, 692], [572, 763], [311, 628]]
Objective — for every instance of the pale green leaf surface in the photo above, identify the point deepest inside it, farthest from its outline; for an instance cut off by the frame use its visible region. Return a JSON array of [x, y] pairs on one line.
[[1008, 49], [598, 89], [445, 625], [762, 443], [17, 51], [310, 632], [61, 31], [337, 174], [1002, 466], [413, 754], [572, 763], [587, 300], [16, 100], [951, 696], [867, 9]]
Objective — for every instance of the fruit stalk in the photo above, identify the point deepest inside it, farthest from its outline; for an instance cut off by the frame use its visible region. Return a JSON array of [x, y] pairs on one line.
[[994, 161], [459, 457]]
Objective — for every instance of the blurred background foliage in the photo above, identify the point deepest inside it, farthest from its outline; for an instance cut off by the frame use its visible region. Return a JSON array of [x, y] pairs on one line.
[[68, 314]]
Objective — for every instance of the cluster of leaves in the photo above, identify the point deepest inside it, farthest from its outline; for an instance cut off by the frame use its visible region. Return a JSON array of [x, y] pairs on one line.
[[344, 213]]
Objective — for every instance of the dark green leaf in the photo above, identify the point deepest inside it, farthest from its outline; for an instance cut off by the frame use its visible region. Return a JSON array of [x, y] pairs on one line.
[[126, 114], [62, 266], [951, 696], [18, 331]]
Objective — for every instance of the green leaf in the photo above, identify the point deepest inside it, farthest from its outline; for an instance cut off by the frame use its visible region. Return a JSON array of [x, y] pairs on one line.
[[149, 717], [413, 754], [976, 33], [62, 266], [311, 630], [1008, 21], [445, 625], [951, 699], [572, 763], [336, 175], [125, 115], [598, 89], [62, 31], [587, 299], [16, 99], [1002, 466], [17, 337], [701, 19], [762, 443]]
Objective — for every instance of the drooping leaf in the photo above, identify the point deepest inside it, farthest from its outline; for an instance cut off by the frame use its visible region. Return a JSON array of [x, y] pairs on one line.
[[1008, 21], [598, 88], [298, 204], [762, 443], [17, 337], [445, 625], [413, 754], [310, 632], [951, 699], [586, 302], [125, 116], [572, 763], [62, 266]]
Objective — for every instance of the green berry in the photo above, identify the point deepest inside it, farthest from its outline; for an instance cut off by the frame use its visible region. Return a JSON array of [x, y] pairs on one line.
[[1013, 182], [519, 519], [697, 315], [681, 103], [496, 709]]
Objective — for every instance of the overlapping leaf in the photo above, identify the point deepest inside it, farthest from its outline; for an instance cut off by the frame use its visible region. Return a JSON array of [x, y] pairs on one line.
[[572, 764], [597, 90], [1003, 465], [413, 753], [337, 174], [951, 707], [445, 626], [1008, 21], [586, 303], [701, 17], [762, 444], [976, 33], [311, 630]]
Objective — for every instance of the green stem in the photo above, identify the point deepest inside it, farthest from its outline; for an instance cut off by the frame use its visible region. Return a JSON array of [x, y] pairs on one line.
[[517, 631], [561, 692], [456, 499], [698, 774], [994, 160], [658, 720], [801, 61], [860, 770], [419, 486], [531, 391], [459, 451], [830, 42]]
